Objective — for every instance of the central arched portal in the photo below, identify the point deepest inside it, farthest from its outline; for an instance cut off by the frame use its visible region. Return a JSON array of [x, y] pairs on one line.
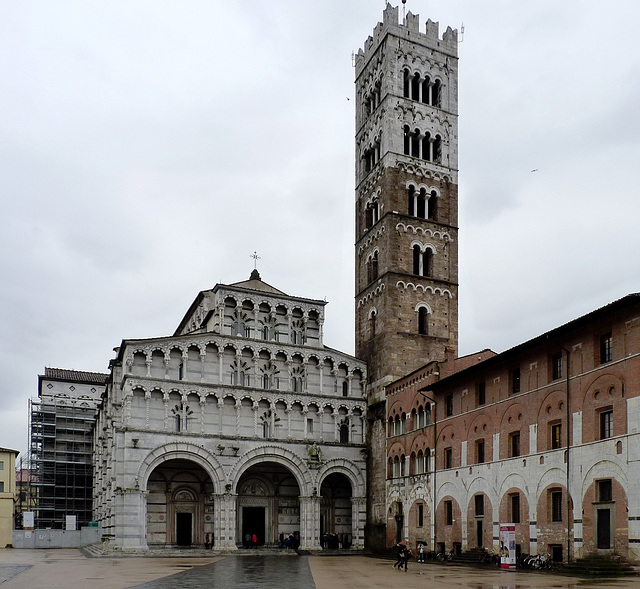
[[268, 505], [179, 505], [335, 512]]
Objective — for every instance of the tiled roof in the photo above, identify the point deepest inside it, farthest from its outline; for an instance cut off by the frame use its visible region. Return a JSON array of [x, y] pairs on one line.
[[76, 375]]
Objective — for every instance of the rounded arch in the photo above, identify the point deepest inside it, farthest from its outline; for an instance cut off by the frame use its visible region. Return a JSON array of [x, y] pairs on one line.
[[184, 451], [347, 468], [278, 455], [423, 305]]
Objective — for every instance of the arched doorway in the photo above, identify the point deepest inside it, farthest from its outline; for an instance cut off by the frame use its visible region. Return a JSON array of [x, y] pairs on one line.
[[268, 504], [335, 512], [179, 504]]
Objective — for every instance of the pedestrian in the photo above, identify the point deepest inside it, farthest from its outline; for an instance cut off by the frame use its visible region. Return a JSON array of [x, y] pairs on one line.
[[405, 557], [400, 551], [421, 553], [254, 541]]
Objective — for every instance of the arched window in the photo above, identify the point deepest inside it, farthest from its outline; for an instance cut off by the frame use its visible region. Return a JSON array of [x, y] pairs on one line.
[[417, 254], [415, 143], [345, 388], [427, 460], [420, 210], [411, 200], [265, 381], [407, 140], [427, 258], [418, 465], [433, 205], [415, 87], [426, 146], [372, 324], [374, 266], [437, 149], [426, 90], [344, 433], [423, 321], [436, 94], [406, 83]]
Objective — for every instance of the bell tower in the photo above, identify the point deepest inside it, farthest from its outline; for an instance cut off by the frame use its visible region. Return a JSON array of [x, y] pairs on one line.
[[406, 214]]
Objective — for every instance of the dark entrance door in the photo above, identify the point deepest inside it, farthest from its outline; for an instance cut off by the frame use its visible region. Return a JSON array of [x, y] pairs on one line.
[[183, 529], [603, 523], [253, 522], [480, 533]]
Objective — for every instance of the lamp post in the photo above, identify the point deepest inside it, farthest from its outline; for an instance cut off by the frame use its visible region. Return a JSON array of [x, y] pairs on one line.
[[435, 469]]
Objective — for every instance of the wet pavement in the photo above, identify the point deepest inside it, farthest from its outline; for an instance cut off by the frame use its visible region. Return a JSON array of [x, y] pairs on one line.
[[70, 569]]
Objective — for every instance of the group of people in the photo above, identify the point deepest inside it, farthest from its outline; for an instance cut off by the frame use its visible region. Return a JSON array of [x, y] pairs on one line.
[[404, 554], [334, 541], [291, 541], [250, 540]]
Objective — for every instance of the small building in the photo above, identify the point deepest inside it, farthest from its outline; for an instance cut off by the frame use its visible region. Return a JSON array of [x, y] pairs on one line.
[[545, 436], [7, 494], [240, 423]]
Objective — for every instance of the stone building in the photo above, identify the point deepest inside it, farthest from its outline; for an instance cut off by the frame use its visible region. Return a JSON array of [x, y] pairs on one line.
[[241, 422], [406, 216], [7, 494], [545, 435]]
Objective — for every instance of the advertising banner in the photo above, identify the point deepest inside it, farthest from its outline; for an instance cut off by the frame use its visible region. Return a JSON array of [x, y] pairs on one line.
[[71, 522], [28, 520], [508, 546]]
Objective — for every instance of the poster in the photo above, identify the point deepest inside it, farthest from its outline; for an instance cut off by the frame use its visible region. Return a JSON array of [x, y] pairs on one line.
[[507, 546], [28, 520], [71, 522]]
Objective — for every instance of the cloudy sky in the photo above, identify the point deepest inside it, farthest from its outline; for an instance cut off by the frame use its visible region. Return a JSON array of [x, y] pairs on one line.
[[147, 148]]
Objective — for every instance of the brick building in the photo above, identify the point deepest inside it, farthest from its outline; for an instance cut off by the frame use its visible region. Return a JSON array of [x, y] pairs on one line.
[[545, 435], [406, 216]]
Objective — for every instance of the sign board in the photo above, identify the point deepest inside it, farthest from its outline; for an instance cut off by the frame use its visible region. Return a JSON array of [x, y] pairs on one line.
[[28, 520], [508, 546], [71, 523]]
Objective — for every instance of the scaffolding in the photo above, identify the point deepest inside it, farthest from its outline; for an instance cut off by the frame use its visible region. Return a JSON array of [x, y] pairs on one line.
[[61, 450]]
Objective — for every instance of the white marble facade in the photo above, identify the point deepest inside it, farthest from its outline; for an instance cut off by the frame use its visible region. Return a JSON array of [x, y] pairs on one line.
[[241, 422]]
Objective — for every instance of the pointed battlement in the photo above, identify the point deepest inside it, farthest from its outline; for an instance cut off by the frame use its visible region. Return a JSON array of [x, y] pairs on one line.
[[409, 30]]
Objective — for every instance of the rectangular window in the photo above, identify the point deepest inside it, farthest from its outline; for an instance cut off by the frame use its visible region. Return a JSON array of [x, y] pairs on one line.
[[514, 444], [479, 499], [309, 425], [606, 424], [556, 366], [480, 451], [420, 515], [555, 436], [606, 350], [1, 486], [515, 381], [605, 491], [556, 506], [1, 465], [515, 508], [448, 457], [482, 393], [449, 405], [448, 513]]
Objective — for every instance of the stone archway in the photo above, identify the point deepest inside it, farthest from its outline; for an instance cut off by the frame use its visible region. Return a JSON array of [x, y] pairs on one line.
[[336, 512], [268, 504], [179, 504]]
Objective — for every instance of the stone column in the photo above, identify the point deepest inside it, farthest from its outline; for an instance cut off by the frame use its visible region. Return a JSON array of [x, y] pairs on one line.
[[224, 521], [147, 408], [220, 373], [310, 522], [203, 356], [130, 519], [358, 520], [203, 407]]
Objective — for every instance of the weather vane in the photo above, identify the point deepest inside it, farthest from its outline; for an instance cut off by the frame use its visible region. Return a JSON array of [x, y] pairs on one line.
[[255, 257]]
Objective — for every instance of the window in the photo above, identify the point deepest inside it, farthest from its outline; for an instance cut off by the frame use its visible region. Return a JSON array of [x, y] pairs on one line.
[[555, 436], [480, 451], [309, 425], [448, 409], [344, 433], [556, 366], [423, 321], [1, 464], [481, 393], [448, 513], [515, 508], [479, 501], [514, 444], [448, 457], [605, 491], [420, 515], [345, 388], [606, 424], [606, 343], [515, 381], [1, 486], [556, 506]]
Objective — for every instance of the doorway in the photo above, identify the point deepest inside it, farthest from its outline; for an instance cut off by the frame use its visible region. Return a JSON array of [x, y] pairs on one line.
[[603, 524], [183, 529], [480, 532], [253, 522]]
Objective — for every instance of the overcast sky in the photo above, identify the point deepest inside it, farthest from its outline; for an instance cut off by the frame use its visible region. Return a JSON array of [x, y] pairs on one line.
[[148, 148]]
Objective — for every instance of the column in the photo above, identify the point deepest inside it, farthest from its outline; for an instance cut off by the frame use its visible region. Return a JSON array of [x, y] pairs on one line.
[[130, 519], [310, 522], [147, 407], [203, 406], [358, 520], [220, 355], [224, 521], [203, 355]]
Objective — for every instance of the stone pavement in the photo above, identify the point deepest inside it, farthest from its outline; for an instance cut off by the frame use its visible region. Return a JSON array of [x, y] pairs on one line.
[[70, 569]]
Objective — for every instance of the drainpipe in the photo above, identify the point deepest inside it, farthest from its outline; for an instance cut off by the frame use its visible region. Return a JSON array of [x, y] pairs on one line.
[[569, 437], [435, 469]]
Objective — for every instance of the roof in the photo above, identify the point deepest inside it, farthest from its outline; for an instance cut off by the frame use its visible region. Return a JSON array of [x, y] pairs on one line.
[[617, 305], [16, 452], [75, 375], [256, 283]]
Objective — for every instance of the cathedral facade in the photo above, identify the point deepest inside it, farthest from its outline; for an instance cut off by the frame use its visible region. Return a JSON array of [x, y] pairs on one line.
[[240, 423]]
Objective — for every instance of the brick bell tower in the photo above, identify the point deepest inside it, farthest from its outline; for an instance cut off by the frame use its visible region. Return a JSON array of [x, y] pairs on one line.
[[406, 216]]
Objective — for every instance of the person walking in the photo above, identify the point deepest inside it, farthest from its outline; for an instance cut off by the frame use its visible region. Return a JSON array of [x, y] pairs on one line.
[[400, 552], [254, 541]]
